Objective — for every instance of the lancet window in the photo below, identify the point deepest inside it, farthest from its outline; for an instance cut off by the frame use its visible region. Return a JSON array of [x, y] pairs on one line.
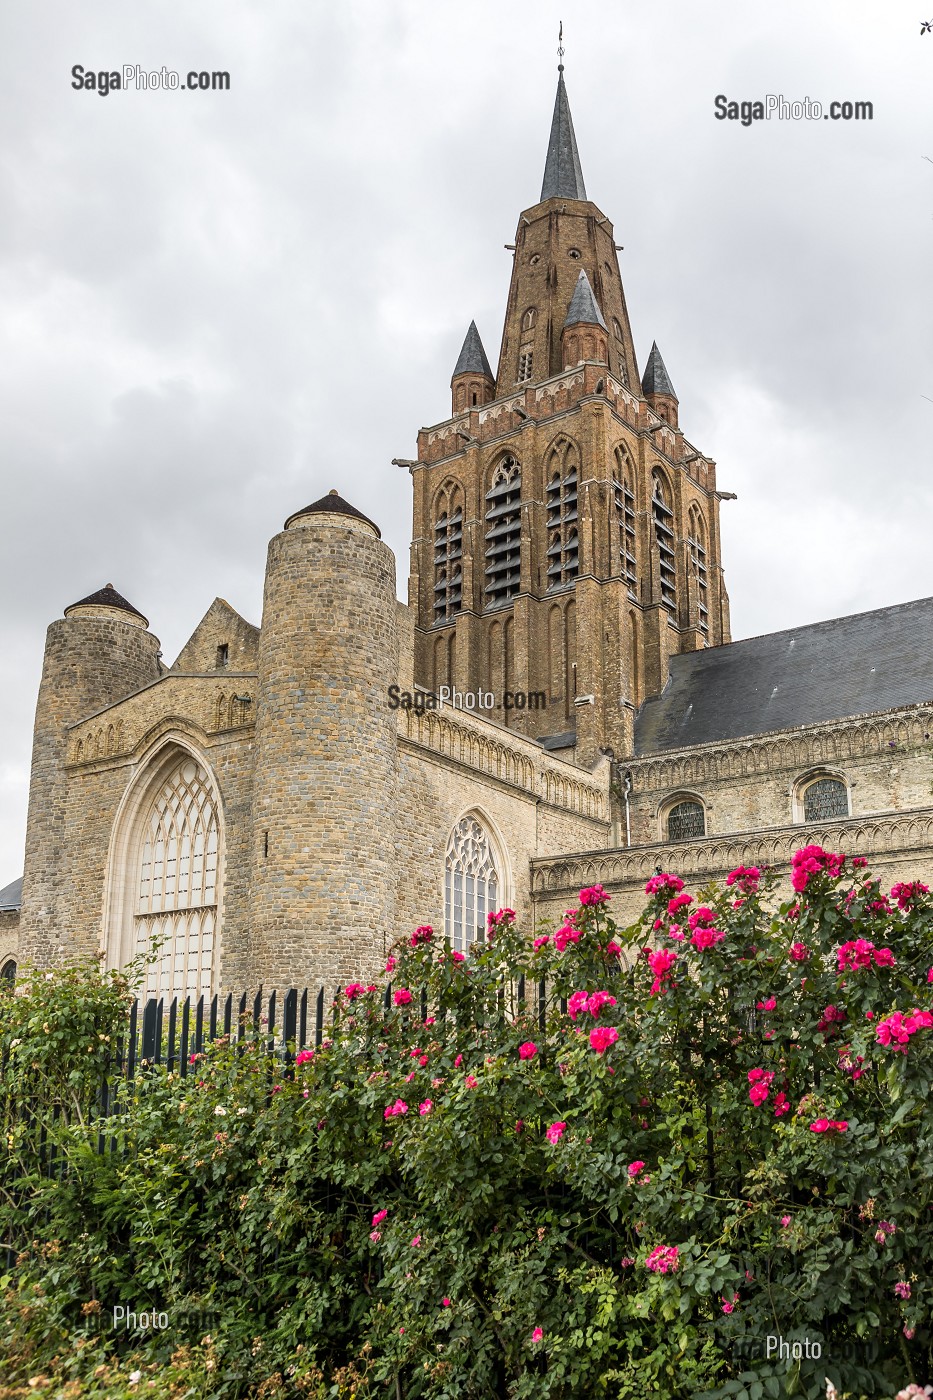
[[662, 516], [563, 549], [176, 884], [503, 533], [626, 537], [448, 556], [471, 884], [696, 544]]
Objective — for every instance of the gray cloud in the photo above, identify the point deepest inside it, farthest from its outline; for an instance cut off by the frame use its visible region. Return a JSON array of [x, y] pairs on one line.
[[217, 306]]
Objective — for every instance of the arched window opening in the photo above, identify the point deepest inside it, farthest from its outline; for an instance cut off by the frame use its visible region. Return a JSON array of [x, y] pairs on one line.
[[563, 551], [176, 875], [471, 884], [503, 533], [529, 319], [8, 971], [686, 821], [626, 537], [662, 516], [525, 365], [696, 544], [825, 799], [448, 554]]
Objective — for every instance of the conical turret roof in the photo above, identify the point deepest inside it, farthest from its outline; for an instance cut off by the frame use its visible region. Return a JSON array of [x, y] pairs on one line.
[[107, 597], [563, 177], [656, 379], [333, 503], [472, 358], [584, 308]]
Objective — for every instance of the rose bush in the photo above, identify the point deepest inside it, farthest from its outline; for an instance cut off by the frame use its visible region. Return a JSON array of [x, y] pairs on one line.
[[718, 1132]]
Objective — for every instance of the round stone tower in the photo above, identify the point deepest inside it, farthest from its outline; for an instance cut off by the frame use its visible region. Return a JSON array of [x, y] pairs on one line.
[[98, 653], [325, 790]]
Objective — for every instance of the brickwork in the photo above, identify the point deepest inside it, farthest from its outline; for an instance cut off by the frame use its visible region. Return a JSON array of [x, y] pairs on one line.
[[603, 635]]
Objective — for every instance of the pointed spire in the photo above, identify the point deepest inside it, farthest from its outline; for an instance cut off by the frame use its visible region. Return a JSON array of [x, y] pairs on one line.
[[656, 379], [563, 176], [584, 308], [473, 357]]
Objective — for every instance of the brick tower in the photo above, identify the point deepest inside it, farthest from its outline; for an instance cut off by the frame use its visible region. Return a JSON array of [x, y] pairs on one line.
[[566, 535]]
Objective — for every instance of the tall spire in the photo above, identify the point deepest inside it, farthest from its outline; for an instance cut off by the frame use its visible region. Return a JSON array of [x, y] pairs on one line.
[[563, 176]]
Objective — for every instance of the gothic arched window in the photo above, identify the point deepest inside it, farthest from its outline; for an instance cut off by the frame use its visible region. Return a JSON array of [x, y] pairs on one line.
[[176, 875], [503, 533], [696, 543], [825, 799], [626, 538], [8, 971], [529, 319], [563, 544], [471, 884], [686, 820], [448, 554], [662, 516]]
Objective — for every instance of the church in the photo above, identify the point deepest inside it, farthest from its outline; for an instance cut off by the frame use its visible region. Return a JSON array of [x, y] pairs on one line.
[[558, 703]]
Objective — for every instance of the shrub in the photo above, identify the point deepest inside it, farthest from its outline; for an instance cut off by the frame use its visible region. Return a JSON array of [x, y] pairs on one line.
[[716, 1139]]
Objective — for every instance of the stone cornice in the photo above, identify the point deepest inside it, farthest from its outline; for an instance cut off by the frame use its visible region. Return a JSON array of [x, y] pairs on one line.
[[888, 834], [831, 741], [511, 760]]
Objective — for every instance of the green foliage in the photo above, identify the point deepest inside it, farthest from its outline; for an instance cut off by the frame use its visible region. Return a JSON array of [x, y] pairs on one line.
[[306, 1235]]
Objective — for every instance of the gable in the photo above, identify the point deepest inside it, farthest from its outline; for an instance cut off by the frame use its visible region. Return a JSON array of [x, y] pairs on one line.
[[221, 626]]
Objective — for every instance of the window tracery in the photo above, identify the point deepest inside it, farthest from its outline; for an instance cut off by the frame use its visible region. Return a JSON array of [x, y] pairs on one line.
[[176, 884], [471, 884]]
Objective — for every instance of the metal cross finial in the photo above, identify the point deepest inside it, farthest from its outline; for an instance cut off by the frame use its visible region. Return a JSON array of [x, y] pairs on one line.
[[560, 47]]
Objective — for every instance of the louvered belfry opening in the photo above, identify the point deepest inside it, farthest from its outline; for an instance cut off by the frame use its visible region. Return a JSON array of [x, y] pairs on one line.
[[697, 547], [663, 518], [503, 533], [448, 559], [563, 551], [625, 525]]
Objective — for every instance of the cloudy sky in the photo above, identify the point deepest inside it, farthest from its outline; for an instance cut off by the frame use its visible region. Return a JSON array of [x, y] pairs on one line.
[[216, 306]]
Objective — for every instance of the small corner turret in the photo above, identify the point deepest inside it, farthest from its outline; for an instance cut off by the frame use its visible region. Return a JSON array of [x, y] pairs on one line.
[[657, 387], [584, 335], [473, 382]]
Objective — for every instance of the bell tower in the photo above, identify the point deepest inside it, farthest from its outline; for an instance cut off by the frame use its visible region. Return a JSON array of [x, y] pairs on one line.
[[566, 533]]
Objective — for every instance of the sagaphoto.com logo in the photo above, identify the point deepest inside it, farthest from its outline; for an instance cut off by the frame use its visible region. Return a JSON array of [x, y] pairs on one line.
[[132, 78]]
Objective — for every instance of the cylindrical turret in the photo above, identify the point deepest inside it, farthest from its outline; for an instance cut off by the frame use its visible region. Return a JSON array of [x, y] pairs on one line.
[[99, 652], [324, 805]]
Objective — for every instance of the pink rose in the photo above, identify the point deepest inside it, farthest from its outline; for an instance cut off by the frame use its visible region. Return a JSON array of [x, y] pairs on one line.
[[555, 1132], [402, 997], [537, 1335], [634, 1168], [602, 1037], [528, 1050]]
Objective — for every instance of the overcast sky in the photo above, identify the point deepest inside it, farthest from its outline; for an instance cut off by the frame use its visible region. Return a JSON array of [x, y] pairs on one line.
[[216, 306]]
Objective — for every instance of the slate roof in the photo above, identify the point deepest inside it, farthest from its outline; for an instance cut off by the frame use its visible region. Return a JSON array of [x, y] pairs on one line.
[[656, 379], [11, 896], [563, 176], [855, 665], [584, 308], [107, 597], [567, 740], [473, 357], [333, 502]]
